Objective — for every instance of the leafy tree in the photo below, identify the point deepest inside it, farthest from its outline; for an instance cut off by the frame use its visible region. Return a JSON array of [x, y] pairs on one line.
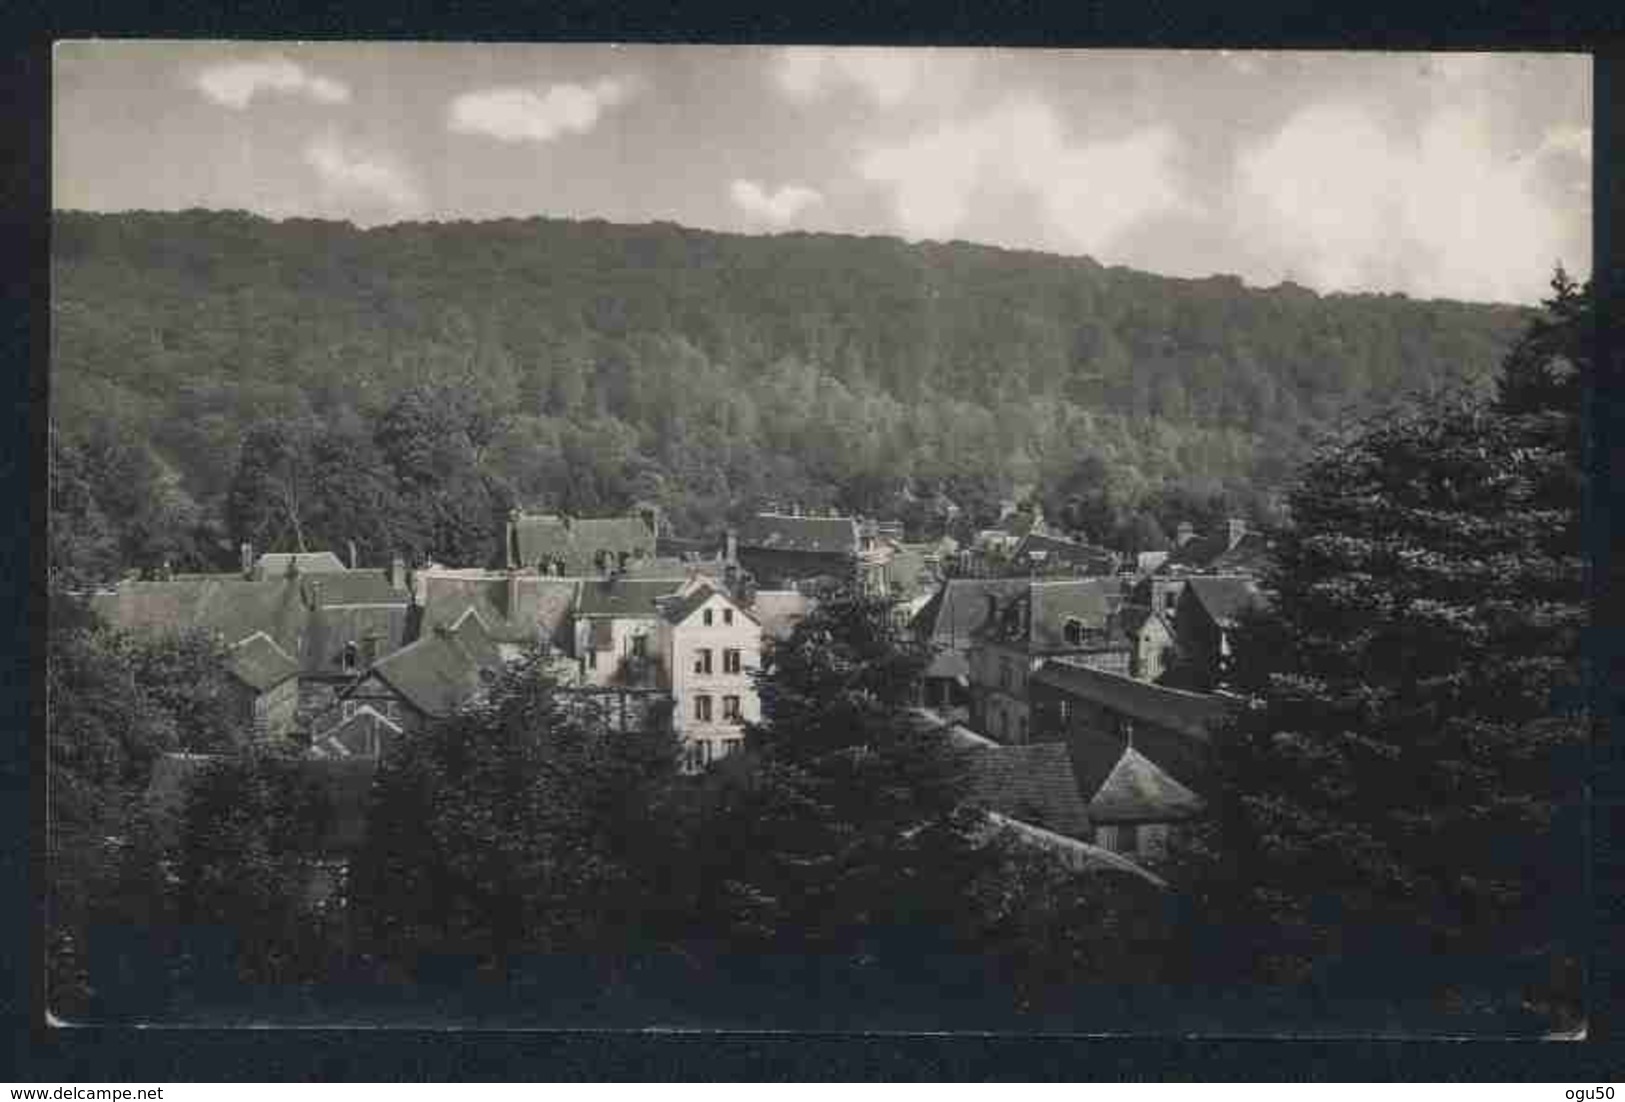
[[270, 496], [1397, 791], [519, 827], [860, 840]]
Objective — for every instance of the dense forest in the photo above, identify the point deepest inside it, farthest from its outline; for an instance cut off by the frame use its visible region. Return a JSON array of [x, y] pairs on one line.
[[219, 377]]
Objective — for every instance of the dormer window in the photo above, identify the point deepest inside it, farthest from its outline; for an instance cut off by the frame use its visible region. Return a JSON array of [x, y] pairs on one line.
[[349, 657], [1073, 632], [707, 616]]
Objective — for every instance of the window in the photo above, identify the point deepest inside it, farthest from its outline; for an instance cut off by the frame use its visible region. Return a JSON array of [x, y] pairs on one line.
[[1119, 838], [730, 709], [369, 649], [592, 660], [702, 660], [347, 709], [349, 656], [1073, 632], [1168, 599], [730, 661], [702, 708], [732, 746], [706, 616], [640, 646], [728, 616], [1065, 708]]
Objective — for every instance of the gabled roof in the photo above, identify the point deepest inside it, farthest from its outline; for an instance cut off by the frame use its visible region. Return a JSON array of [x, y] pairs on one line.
[[1248, 555], [576, 540], [1138, 791], [444, 669], [541, 612], [625, 597], [959, 608], [226, 604], [259, 663], [361, 735], [352, 587], [778, 532], [1136, 617], [274, 564], [1187, 713], [680, 608], [1222, 598], [1033, 783], [779, 610], [1078, 855]]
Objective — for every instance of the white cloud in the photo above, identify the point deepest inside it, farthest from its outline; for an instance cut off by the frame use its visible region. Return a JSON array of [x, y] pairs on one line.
[[234, 84], [887, 75], [1347, 205], [779, 207], [367, 188], [1087, 194], [524, 115]]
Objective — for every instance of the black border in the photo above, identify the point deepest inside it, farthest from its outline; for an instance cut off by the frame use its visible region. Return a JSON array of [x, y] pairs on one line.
[[57, 1056]]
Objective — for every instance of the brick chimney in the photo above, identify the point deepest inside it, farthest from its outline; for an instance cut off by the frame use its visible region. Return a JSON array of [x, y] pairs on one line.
[[247, 551], [354, 558], [1184, 533], [397, 573]]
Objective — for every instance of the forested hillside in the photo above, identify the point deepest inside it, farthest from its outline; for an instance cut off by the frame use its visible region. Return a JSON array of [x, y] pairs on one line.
[[217, 376]]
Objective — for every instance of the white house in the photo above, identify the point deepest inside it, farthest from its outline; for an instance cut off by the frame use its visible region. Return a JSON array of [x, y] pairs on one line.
[[709, 646]]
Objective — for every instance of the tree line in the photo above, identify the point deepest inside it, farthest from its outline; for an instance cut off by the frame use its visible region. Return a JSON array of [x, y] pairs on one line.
[[443, 370]]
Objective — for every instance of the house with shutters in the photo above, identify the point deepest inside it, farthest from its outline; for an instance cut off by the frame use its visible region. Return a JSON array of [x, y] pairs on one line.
[[711, 645], [616, 630], [1140, 752], [1076, 618]]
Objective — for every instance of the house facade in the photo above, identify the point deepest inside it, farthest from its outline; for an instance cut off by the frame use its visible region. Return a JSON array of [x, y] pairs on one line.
[[429, 678], [616, 629], [1204, 618], [1077, 619], [264, 681], [710, 646]]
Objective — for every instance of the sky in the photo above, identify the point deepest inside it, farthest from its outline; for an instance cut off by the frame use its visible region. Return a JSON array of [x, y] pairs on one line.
[[1461, 176]]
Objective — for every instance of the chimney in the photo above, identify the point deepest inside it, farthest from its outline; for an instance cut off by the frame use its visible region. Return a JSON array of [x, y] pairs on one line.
[[1235, 528], [397, 573], [513, 595], [354, 559], [247, 551], [730, 553], [1184, 533]]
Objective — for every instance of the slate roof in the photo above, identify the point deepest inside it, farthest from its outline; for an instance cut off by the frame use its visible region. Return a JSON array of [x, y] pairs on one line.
[[1248, 555], [1068, 553], [1138, 791], [1033, 783], [681, 608], [1187, 713], [542, 611], [778, 532], [274, 564], [575, 540], [1222, 598], [953, 615], [445, 667], [353, 587], [676, 547], [1049, 605], [1078, 855], [330, 628], [779, 610], [259, 663], [226, 604], [625, 597]]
